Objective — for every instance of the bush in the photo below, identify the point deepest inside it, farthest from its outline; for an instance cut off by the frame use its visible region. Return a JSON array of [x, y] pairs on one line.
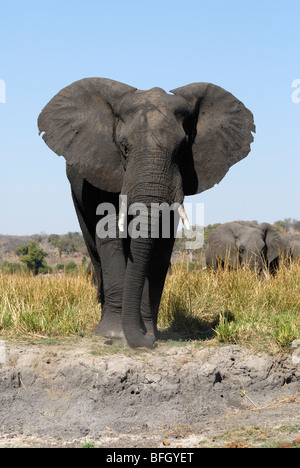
[[69, 243], [8, 267], [71, 267], [33, 258]]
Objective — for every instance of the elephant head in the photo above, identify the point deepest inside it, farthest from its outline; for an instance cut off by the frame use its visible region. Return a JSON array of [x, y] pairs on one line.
[[244, 243], [151, 146]]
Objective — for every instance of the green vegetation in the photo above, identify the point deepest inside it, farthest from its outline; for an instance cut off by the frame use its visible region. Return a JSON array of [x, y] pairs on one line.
[[33, 257], [266, 436], [71, 249], [286, 225], [238, 305], [88, 445], [12, 267], [225, 307], [68, 243], [47, 305], [23, 253]]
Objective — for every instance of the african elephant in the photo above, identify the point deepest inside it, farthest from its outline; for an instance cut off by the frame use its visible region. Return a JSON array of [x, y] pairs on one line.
[[154, 148], [244, 243], [291, 247]]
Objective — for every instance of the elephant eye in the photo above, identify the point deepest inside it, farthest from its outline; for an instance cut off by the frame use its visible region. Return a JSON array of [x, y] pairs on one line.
[[124, 149], [124, 154]]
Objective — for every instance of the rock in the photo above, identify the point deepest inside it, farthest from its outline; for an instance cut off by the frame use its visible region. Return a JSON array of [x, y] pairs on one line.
[[296, 357], [153, 378], [296, 344]]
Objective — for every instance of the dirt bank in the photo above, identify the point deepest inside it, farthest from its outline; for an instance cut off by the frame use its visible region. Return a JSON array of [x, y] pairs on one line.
[[190, 396]]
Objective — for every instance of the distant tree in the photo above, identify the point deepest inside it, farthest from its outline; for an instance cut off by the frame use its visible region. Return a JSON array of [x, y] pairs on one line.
[[296, 225], [68, 243], [53, 239], [279, 226], [56, 241], [287, 225], [33, 258]]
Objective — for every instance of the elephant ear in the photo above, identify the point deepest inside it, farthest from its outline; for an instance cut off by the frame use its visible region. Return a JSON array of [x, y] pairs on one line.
[[78, 123], [273, 241], [222, 242], [220, 133]]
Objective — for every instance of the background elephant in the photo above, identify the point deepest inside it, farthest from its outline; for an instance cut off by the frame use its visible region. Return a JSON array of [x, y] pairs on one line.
[[291, 246], [241, 243], [152, 147]]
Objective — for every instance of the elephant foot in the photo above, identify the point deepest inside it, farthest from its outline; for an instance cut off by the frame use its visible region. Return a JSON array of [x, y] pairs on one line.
[[150, 329], [110, 326], [142, 341]]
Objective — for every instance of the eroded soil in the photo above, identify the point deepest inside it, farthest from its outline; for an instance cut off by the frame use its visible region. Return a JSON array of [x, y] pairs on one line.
[[93, 392]]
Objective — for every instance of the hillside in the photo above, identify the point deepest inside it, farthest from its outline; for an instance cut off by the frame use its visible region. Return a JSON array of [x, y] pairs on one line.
[[60, 249]]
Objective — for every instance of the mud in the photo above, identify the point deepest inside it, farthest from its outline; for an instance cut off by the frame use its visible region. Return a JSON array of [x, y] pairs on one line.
[[90, 391]]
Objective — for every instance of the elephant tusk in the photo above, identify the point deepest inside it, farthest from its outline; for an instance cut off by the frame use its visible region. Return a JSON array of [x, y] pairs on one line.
[[184, 217], [122, 216]]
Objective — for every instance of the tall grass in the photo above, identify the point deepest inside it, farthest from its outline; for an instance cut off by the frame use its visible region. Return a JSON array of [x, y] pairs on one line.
[[47, 305], [230, 306], [239, 306]]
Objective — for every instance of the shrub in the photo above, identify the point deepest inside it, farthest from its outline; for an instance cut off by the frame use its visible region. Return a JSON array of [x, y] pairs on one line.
[[71, 267], [12, 267], [33, 258]]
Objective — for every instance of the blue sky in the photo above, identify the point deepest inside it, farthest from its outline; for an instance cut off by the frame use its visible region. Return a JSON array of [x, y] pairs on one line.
[[251, 48]]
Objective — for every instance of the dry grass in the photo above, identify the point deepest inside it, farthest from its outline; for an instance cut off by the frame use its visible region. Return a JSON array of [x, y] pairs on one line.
[[47, 305], [238, 305], [231, 306]]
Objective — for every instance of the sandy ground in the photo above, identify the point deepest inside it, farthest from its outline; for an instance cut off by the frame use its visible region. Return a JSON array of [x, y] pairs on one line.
[[91, 392]]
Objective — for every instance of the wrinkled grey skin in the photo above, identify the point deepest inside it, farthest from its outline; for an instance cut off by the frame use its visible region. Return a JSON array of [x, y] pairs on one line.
[[291, 247], [153, 147], [244, 243]]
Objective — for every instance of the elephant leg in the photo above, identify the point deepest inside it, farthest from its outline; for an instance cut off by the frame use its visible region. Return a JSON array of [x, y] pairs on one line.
[[87, 230], [86, 199], [154, 284], [113, 267]]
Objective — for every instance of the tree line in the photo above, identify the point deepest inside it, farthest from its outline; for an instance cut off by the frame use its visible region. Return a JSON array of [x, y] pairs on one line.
[[33, 258]]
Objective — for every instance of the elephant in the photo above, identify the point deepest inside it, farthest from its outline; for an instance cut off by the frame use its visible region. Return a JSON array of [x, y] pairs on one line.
[[153, 148], [291, 247], [241, 243]]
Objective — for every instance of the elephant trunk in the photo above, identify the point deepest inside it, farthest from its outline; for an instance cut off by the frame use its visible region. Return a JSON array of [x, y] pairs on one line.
[[153, 185], [137, 268]]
